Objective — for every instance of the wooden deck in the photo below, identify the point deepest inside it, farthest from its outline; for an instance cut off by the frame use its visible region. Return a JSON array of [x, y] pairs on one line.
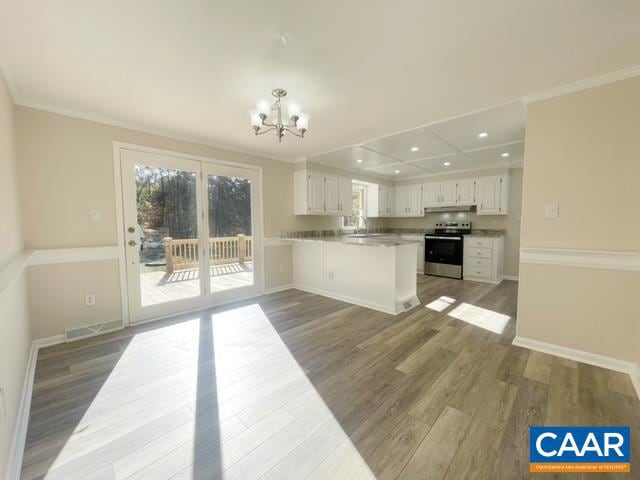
[[160, 286], [298, 386]]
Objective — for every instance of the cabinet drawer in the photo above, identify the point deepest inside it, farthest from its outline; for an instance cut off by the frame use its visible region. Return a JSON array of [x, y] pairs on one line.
[[478, 242], [478, 252], [474, 262], [477, 272]]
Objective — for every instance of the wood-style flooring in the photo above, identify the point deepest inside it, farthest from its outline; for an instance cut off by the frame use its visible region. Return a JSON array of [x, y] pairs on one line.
[[298, 386]]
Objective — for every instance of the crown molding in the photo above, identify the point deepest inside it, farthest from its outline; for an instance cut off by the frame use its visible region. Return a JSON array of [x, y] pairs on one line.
[[583, 84]]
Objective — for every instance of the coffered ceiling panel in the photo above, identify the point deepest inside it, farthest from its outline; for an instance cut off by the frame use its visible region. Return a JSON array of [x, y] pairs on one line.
[[347, 158], [403, 170], [506, 154], [457, 161], [501, 125], [411, 145]]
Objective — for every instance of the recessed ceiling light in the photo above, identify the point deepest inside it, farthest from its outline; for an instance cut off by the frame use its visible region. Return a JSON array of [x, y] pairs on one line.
[[359, 160], [414, 149], [396, 171], [446, 164], [483, 135], [505, 154]]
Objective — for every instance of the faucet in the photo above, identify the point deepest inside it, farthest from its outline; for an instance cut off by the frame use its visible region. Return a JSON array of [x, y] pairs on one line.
[[364, 221]]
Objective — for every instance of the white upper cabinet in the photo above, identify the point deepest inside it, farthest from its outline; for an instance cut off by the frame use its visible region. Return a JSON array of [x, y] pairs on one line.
[[345, 189], [408, 201], [314, 200], [317, 193], [331, 195], [414, 201], [431, 195], [466, 191], [492, 195], [380, 200], [401, 202], [448, 193]]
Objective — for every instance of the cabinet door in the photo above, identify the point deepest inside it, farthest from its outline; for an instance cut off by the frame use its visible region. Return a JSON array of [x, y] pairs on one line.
[[448, 193], [391, 201], [488, 195], [331, 195], [431, 195], [345, 188], [466, 192], [414, 201], [315, 193], [401, 203]]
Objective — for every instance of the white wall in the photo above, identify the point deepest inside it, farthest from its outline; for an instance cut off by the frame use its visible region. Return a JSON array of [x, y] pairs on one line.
[[583, 151], [15, 334]]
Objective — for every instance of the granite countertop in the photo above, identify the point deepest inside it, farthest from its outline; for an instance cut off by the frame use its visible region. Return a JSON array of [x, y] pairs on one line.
[[374, 241], [487, 233]]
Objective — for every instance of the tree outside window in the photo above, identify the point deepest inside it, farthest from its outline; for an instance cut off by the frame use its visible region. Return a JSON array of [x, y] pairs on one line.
[[358, 207]]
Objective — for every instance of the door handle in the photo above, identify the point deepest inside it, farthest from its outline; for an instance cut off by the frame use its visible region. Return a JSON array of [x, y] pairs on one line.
[[132, 243], [131, 229]]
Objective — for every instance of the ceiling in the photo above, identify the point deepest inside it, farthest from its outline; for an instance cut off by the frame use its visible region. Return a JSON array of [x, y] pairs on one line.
[[490, 138], [362, 69]]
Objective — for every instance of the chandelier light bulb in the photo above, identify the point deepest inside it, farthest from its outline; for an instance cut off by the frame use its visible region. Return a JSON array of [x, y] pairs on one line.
[[263, 107], [256, 121], [294, 110], [303, 121]]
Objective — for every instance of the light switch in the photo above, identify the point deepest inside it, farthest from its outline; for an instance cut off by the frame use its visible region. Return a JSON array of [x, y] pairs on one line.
[[551, 210], [95, 215], [90, 300]]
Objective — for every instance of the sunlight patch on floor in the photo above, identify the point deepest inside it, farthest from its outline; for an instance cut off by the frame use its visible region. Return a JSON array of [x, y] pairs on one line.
[[440, 304], [481, 317], [258, 415]]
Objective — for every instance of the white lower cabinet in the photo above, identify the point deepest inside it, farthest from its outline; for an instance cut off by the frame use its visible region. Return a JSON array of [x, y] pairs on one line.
[[420, 253], [483, 258]]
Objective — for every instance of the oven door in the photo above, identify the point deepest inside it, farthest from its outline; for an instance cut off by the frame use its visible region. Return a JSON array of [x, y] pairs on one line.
[[443, 256]]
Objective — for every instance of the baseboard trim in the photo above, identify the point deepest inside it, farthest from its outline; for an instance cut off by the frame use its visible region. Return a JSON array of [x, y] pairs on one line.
[[630, 368], [16, 455], [268, 291], [355, 301], [511, 277]]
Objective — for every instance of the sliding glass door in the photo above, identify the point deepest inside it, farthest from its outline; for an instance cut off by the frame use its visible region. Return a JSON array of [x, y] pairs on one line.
[[191, 233]]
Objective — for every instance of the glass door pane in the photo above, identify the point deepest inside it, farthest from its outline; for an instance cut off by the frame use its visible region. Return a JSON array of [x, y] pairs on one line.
[[230, 240], [168, 229], [162, 205]]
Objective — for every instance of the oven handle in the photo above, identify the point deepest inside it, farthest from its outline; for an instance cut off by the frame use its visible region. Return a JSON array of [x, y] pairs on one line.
[[442, 238]]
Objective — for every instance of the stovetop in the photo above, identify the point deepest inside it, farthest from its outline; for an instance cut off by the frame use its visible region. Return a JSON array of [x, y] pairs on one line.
[[452, 228]]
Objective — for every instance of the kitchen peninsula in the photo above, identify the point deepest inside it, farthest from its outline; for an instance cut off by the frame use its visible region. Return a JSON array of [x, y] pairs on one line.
[[368, 270]]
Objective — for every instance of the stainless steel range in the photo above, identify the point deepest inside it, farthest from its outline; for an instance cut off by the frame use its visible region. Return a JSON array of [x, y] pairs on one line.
[[443, 249]]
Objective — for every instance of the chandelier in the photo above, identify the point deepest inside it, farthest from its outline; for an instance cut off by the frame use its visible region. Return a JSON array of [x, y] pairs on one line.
[[266, 118]]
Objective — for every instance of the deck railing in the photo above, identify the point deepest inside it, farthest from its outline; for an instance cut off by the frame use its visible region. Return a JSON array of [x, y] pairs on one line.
[[181, 254]]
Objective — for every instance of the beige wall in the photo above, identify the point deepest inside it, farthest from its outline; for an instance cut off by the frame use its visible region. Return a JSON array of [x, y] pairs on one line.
[[509, 222], [583, 151], [15, 333], [56, 295], [66, 168]]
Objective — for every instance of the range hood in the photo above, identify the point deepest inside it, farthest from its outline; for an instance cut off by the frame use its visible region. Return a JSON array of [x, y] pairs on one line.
[[454, 208]]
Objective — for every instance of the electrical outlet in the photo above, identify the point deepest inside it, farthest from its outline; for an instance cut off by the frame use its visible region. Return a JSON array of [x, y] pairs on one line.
[[90, 300], [330, 275], [95, 215], [282, 270], [3, 406]]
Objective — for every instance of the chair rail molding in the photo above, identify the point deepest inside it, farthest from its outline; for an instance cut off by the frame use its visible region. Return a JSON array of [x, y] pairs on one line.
[[72, 255], [566, 257]]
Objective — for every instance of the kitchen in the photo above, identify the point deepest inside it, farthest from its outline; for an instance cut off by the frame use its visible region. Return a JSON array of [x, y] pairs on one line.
[[461, 223]]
